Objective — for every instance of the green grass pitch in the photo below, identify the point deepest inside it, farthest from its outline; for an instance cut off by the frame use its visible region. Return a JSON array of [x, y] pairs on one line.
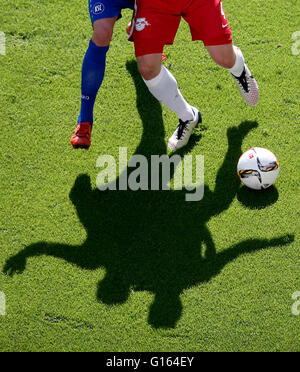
[[145, 271]]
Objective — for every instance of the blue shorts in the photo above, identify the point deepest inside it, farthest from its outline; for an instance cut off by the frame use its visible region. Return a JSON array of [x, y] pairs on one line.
[[108, 8]]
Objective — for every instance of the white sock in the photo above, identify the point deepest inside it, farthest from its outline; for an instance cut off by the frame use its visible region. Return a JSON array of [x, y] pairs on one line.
[[164, 88], [239, 65]]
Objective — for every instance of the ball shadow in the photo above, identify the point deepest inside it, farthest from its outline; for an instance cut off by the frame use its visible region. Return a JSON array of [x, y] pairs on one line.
[[257, 199]]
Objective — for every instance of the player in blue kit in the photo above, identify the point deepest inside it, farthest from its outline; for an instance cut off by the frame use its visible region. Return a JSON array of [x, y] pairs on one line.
[[104, 14]]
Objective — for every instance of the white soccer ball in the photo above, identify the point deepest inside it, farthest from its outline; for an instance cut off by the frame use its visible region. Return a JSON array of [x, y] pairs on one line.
[[258, 168]]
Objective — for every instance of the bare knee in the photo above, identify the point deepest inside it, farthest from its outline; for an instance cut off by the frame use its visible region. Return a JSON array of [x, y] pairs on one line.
[[103, 30], [149, 66], [101, 37], [225, 61], [147, 70]]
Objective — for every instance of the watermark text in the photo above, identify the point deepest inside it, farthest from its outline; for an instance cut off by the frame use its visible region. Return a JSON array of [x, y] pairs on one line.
[[296, 305], [2, 44], [2, 304], [296, 45], [159, 172]]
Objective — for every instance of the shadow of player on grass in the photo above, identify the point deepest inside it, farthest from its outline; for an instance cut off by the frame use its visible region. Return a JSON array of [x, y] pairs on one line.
[[153, 240]]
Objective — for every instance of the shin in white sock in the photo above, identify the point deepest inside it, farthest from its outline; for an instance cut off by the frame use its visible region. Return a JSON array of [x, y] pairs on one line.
[[165, 89], [239, 65]]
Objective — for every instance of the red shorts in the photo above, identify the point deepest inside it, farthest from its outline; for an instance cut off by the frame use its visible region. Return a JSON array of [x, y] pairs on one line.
[[155, 23]]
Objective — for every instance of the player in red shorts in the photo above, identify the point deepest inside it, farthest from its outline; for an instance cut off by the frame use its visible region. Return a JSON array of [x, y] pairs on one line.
[[155, 24]]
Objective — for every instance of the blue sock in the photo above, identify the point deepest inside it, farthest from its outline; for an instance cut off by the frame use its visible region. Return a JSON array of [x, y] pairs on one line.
[[93, 70]]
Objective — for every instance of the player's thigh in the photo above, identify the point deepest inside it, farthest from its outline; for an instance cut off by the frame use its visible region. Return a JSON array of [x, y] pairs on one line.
[[104, 14], [100, 9], [208, 22], [155, 24]]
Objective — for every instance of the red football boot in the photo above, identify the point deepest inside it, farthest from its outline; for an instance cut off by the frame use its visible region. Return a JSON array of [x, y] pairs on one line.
[[81, 138]]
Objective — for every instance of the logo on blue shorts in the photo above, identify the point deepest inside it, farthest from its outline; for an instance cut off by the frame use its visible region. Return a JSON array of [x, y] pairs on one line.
[[98, 8]]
